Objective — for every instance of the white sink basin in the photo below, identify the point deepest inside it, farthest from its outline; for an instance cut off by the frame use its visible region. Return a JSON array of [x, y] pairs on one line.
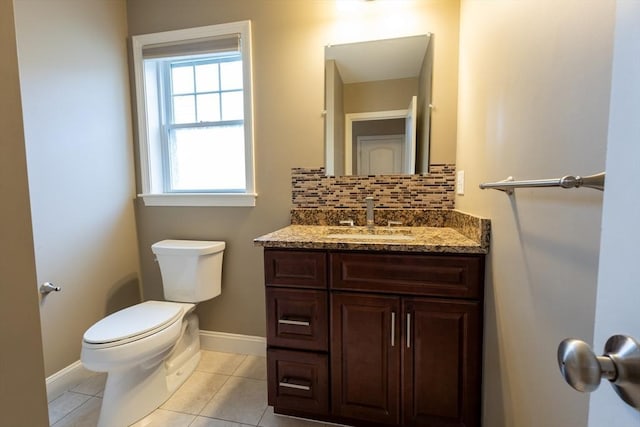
[[368, 236]]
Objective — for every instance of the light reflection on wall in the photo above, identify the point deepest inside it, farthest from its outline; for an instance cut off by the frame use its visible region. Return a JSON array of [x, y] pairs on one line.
[[358, 20]]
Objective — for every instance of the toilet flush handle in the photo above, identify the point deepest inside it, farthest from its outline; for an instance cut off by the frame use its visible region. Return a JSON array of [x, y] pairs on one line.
[[48, 287]]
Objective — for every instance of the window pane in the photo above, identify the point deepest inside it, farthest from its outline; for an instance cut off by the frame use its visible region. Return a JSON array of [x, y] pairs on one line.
[[207, 159], [231, 75], [181, 79], [208, 107], [207, 78], [232, 106], [184, 109]]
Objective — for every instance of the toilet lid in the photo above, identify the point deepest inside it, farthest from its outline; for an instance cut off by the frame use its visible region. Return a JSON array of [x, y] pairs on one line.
[[133, 321]]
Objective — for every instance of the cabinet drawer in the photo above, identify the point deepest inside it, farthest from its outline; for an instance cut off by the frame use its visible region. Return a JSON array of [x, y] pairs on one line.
[[298, 381], [301, 269], [449, 276], [297, 319]]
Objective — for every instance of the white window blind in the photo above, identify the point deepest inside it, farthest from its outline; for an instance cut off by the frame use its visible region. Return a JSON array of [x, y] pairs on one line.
[[201, 46]]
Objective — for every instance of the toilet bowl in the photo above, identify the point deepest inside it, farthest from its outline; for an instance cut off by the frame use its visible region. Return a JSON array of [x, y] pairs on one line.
[[150, 349]]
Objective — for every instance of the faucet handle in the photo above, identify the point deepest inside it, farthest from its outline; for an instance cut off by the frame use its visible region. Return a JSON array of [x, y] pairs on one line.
[[370, 220], [348, 222]]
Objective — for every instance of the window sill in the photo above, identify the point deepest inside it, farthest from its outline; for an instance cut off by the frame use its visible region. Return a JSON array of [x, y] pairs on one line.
[[200, 199]]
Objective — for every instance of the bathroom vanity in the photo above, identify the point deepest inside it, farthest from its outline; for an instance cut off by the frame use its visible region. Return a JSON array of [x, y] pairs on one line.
[[369, 328]]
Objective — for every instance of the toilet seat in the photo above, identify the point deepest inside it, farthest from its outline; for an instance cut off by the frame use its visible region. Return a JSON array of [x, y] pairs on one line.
[[133, 323]]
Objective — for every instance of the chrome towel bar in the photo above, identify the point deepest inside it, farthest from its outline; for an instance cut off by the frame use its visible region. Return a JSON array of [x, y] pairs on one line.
[[592, 181]]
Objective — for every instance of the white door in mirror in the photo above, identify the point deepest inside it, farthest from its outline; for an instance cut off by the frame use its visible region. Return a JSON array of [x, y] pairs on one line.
[[380, 154]]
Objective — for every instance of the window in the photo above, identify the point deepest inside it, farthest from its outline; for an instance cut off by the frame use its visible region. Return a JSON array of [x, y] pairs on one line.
[[193, 90]]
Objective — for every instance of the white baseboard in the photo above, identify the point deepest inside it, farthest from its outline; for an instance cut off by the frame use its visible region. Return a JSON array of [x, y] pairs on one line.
[[233, 343], [65, 379]]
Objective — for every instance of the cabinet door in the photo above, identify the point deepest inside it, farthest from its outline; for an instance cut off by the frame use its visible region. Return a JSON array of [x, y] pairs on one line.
[[442, 356], [365, 357]]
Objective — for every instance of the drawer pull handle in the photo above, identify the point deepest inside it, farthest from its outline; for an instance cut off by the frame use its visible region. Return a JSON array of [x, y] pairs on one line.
[[294, 322], [296, 386], [408, 330], [393, 329]]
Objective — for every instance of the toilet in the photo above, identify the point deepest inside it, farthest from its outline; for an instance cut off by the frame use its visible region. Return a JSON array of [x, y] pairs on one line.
[[150, 349]]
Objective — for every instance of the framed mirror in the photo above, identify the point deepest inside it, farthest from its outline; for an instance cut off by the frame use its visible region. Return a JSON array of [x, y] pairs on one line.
[[377, 100]]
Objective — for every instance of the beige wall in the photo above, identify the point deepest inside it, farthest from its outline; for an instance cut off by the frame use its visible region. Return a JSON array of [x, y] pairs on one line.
[[74, 80], [534, 96], [23, 400], [379, 95], [288, 46]]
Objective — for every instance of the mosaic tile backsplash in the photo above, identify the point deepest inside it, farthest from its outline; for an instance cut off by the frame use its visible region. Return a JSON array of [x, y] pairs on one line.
[[311, 188]]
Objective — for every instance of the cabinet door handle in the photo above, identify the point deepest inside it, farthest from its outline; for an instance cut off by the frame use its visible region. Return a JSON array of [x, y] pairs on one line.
[[408, 330], [393, 329], [285, 383], [294, 322]]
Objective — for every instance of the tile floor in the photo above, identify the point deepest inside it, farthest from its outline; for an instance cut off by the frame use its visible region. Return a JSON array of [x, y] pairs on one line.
[[226, 390]]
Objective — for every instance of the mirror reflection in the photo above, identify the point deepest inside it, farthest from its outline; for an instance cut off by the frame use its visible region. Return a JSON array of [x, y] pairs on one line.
[[377, 100]]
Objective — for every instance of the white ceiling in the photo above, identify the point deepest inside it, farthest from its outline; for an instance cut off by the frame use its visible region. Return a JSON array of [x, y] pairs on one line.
[[379, 59]]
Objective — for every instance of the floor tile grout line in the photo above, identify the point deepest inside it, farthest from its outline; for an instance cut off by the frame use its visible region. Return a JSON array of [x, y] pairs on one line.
[[244, 357], [193, 421], [73, 410], [79, 392], [75, 407], [199, 414], [230, 420], [262, 416]]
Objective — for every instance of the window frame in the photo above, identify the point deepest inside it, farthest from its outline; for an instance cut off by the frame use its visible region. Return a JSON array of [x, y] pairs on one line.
[[152, 170], [170, 126]]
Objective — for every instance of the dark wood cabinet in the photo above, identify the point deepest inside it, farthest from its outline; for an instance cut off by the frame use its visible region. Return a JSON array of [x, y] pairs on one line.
[[299, 269], [441, 362], [393, 273], [375, 338], [297, 318], [365, 357], [298, 380]]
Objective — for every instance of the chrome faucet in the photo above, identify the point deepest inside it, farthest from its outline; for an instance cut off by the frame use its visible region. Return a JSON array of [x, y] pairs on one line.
[[370, 221]]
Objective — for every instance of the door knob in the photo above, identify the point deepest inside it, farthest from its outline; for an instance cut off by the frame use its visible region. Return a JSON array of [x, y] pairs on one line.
[[48, 287], [620, 364]]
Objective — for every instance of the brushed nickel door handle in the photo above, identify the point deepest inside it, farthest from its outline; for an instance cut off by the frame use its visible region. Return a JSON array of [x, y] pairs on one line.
[[48, 287], [620, 364]]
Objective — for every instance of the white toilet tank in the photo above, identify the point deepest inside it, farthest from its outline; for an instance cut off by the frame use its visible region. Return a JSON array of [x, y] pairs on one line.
[[191, 269]]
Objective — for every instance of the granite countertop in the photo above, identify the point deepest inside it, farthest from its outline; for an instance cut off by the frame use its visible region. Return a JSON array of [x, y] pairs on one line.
[[400, 239]]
